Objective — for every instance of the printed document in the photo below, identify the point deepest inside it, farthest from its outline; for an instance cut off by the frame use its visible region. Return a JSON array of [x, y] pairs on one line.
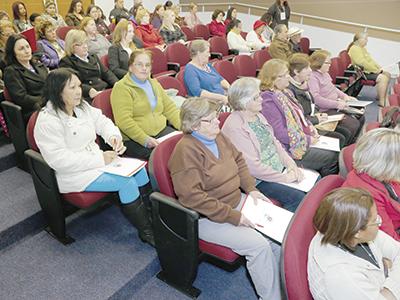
[[124, 166]]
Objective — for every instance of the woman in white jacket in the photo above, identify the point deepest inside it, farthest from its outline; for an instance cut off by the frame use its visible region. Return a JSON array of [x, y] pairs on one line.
[[234, 38], [65, 133], [349, 257], [255, 38]]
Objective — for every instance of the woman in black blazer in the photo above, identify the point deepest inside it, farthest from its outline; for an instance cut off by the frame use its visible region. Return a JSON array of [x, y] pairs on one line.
[[121, 49], [94, 76], [24, 78]]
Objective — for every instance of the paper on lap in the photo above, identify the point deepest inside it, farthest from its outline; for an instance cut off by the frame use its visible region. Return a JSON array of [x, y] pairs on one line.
[[124, 166], [327, 143], [310, 178], [169, 135]]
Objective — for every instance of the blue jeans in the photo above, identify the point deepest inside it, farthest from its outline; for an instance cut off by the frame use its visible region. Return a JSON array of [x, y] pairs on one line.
[[127, 187], [289, 197]]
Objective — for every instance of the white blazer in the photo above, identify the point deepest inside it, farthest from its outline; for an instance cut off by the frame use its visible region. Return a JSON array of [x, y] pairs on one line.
[[336, 274], [236, 41], [68, 144], [254, 41]]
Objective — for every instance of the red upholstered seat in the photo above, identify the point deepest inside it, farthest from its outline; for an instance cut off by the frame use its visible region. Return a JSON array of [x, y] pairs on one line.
[[177, 53], [223, 253], [180, 77], [346, 159], [222, 118], [298, 237], [190, 36], [305, 45], [104, 61], [168, 82], [159, 66], [396, 88], [245, 66], [62, 31], [260, 57], [102, 101], [219, 45], [394, 100], [201, 31], [372, 125], [226, 69]]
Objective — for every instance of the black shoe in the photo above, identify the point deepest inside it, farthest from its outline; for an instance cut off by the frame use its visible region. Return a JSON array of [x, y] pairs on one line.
[[136, 213]]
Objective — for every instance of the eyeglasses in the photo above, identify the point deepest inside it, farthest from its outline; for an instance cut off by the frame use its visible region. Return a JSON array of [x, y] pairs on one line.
[[140, 65], [213, 119], [378, 221], [81, 45], [283, 75]]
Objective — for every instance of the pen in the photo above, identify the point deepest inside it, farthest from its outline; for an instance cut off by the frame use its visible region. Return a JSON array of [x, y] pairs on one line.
[[258, 225]]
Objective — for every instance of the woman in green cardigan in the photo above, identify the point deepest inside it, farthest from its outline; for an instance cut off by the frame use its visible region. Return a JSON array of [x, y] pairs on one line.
[[141, 107]]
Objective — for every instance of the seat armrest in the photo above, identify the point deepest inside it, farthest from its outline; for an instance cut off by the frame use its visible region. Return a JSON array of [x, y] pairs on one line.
[[217, 55], [233, 52], [342, 79], [173, 66]]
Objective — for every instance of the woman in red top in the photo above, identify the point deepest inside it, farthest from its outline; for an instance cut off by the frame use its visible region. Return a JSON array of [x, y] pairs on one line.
[[376, 169], [217, 26], [146, 32]]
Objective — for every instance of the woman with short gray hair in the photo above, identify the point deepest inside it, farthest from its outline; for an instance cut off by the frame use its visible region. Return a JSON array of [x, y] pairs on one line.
[[208, 173], [251, 134], [376, 162]]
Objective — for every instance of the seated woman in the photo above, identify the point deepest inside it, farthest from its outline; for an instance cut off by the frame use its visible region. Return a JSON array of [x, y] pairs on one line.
[[251, 134], [192, 19], [6, 30], [97, 43], [294, 35], [217, 26], [101, 26], [50, 14], [169, 30], [75, 13], [146, 32], [349, 257], [21, 21], [24, 78], [94, 76], [231, 15], [280, 47], [376, 169], [122, 48], [157, 16], [201, 78], [300, 71], [65, 133], [255, 38], [268, 32], [327, 96], [50, 47], [141, 107], [180, 21], [208, 173], [286, 117], [359, 56], [235, 39]]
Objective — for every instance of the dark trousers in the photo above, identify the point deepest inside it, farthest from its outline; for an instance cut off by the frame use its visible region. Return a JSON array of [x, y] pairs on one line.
[[289, 197], [350, 126], [136, 150], [323, 161]]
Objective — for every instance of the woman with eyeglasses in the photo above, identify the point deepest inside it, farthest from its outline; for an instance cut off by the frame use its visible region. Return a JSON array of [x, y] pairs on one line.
[[141, 107], [376, 169], [349, 257], [94, 76], [208, 174]]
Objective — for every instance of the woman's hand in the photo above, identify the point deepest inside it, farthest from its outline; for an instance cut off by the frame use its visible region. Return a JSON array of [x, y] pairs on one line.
[[109, 156], [151, 142], [117, 145], [257, 195], [93, 93], [342, 104], [321, 117], [223, 100], [244, 221]]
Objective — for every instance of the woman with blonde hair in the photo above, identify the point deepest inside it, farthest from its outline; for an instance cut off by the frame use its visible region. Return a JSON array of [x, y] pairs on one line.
[[291, 128], [97, 43], [360, 57], [349, 257], [146, 32], [191, 19], [122, 48], [376, 161], [49, 45], [51, 14], [169, 30]]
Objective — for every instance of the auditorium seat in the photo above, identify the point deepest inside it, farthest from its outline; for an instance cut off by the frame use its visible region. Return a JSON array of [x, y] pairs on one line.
[[394, 100], [104, 61], [168, 82], [176, 229], [371, 125], [102, 101], [396, 88], [350, 85], [63, 30], [219, 48], [305, 45], [260, 57], [55, 206], [190, 36], [346, 160], [226, 69], [202, 31], [245, 66], [177, 53], [297, 240], [159, 65], [180, 77]]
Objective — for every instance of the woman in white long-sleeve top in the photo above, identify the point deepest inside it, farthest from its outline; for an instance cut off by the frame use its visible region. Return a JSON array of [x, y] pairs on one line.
[[234, 38], [65, 133], [349, 257]]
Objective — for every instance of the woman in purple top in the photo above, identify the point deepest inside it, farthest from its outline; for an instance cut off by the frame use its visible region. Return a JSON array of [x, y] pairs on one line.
[[327, 96], [201, 79], [291, 128], [49, 45]]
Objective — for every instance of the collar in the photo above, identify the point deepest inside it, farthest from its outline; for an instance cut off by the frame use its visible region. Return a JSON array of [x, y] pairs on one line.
[[203, 139]]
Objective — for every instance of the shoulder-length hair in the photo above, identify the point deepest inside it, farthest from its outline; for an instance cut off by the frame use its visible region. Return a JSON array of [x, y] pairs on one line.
[[10, 57], [342, 214], [270, 72], [318, 58], [120, 32], [54, 86], [72, 6], [377, 153], [73, 37], [229, 13], [15, 10], [232, 24], [216, 13]]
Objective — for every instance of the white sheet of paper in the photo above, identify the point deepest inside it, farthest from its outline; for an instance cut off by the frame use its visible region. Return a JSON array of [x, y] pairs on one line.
[[327, 143], [124, 166], [166, 137], [332, 118], [355, 103], [310, 177], [270, 219]]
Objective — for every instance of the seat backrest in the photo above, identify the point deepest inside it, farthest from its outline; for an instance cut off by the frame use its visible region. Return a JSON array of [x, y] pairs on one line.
[[7, 95], [245, 66], [63, 30], [345, 58], [222, 118], [346, 159], [180, 76], [159, 61], [158, 166], [104, 61], [298, 237], [178, 53], [29, 131], [226, 69], [219, 45], [201, 30], [371, 125], [169, 82], [102, 101], [190, 36], [260, 57], [305, 45], [394, 100], [243, 34], [396, 88], [334, 69]]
